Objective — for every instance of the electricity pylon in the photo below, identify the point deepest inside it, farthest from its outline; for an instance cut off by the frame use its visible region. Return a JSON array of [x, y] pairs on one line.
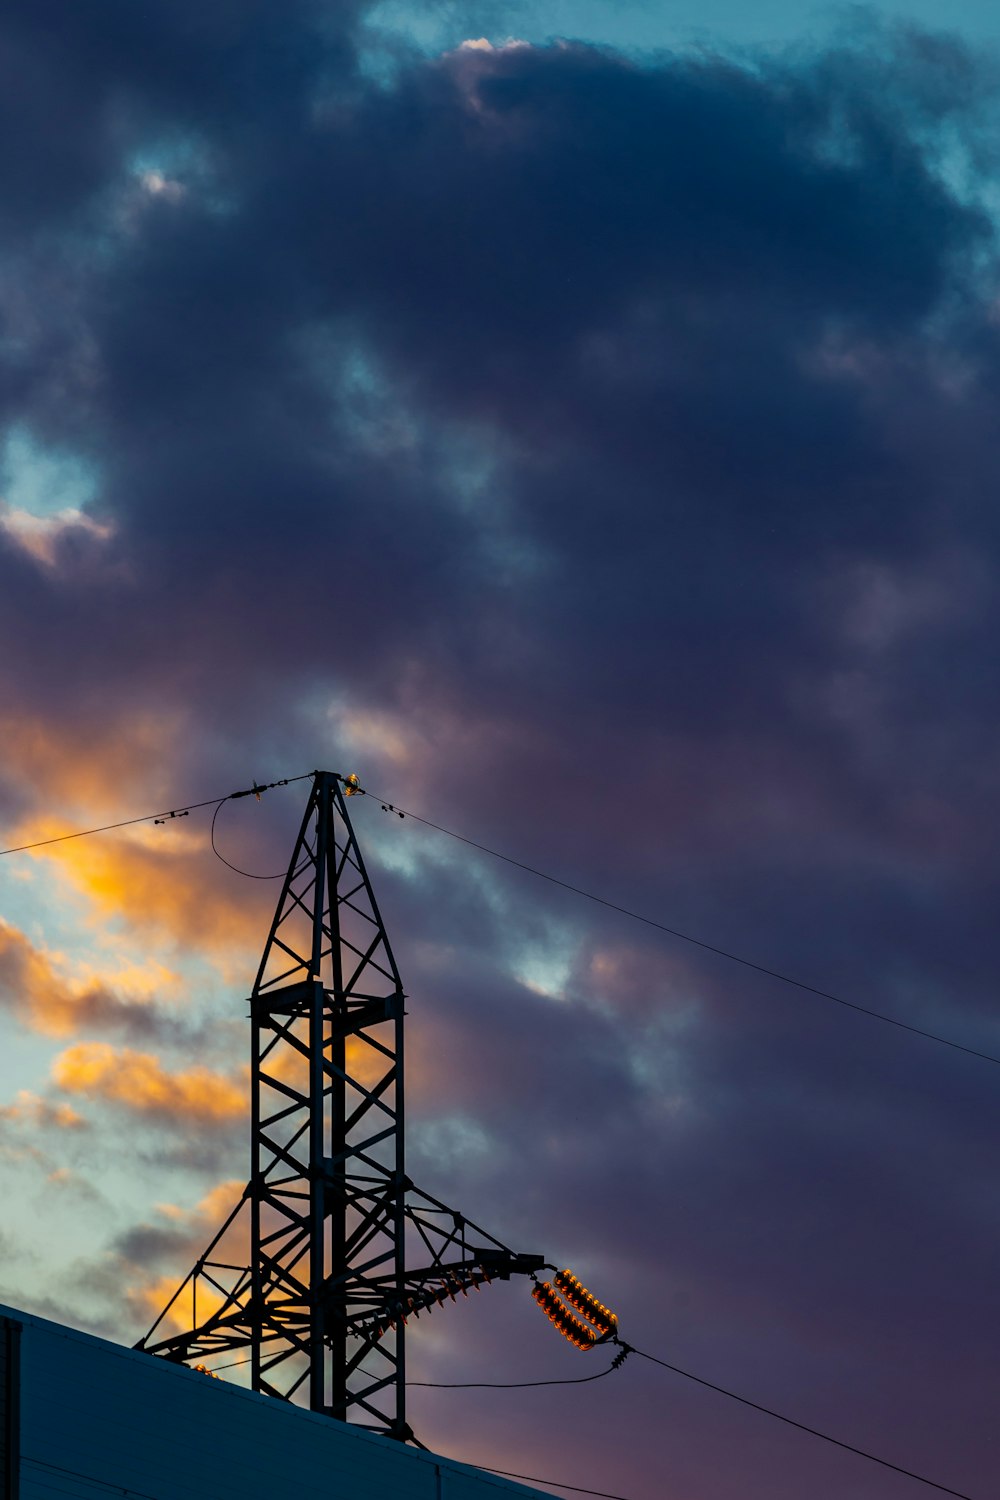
[[343, 1249]]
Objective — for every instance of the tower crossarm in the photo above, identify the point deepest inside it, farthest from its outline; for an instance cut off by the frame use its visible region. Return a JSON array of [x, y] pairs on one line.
[[433, 1286]]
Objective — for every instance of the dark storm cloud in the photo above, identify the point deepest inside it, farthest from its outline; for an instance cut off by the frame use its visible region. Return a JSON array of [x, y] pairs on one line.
[[620, 439], [622, 383], [81, 88]]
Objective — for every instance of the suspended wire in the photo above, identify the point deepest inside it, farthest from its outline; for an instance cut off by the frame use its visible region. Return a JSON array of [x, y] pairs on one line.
[[493, 1385], [82, 833], [736, 958], [790, 1421], [158, 817], [619, 1360], [514, 1385]]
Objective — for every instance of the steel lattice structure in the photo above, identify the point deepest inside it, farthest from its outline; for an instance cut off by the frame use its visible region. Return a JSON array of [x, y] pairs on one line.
[[342, 1248]]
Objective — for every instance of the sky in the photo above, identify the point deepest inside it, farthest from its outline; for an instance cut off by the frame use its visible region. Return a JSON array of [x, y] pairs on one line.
[[580, 422]]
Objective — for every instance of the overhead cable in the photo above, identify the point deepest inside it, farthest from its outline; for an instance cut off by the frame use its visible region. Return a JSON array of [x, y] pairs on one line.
[[686, 937], [160, 817], [513, 1385], [767, 1411], [791, 1422]]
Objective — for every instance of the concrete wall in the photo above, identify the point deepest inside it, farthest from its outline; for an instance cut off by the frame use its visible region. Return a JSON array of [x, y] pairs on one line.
[[99, 1420]]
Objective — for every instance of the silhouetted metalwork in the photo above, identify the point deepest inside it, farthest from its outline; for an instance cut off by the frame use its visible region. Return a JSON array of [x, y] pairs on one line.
[[331, 1248]]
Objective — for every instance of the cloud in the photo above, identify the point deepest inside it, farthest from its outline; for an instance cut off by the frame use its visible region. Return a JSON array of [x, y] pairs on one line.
[[29, 1110], [177, 1232], [160, 882], [155, 1256], [138, 1082], [44, 537], [35, 988], [72, 1185]]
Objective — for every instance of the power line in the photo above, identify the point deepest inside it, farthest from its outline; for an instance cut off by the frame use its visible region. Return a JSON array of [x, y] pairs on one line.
[[791, 1422], [160, 817], [473, 1385], [627, 1349], [616, 1364], [82, 833], [686, 937], [515, 1385]]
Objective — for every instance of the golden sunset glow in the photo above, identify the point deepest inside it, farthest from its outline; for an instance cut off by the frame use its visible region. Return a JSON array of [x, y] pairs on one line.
[[365, 1063], [146, 1300], [140, 1082], [159, 882], [96, 775], [57, 998], [147, 1296]]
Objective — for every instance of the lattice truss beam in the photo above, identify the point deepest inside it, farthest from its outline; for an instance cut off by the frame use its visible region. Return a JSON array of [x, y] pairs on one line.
[[331, 1248]]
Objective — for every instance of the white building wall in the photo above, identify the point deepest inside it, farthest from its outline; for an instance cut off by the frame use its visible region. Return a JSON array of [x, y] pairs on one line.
[[98, 1420]]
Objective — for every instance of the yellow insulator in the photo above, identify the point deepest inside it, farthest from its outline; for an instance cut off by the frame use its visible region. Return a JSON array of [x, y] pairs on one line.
[[560, 1317], [585, 1302], [352, 785]]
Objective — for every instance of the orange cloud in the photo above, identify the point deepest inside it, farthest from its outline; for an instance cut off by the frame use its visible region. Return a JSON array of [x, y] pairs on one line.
[[138, 1081], [34, 988], [364, 1063], [146, 1301], [91, 767], [184, 1237], [161, 882]]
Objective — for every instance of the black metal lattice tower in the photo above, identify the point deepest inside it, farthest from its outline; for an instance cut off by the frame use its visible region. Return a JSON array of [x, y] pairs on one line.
[[342, 1248]]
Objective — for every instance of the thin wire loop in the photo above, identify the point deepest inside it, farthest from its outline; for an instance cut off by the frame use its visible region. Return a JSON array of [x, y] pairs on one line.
[[250, 874], [511, 1385]]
